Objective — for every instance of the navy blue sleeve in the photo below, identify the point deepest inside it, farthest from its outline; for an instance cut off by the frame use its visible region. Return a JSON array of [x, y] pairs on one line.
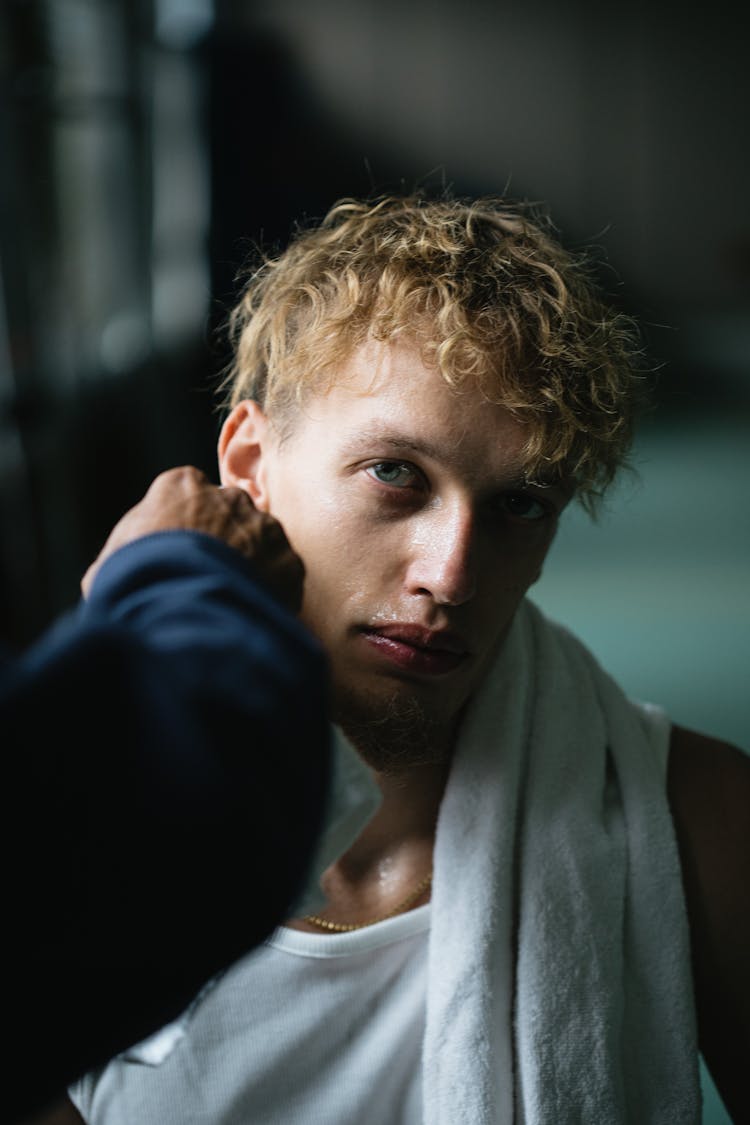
[[166, 755]]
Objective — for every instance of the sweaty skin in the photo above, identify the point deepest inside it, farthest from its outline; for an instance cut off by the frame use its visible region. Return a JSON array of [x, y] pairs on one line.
[[408, 505]]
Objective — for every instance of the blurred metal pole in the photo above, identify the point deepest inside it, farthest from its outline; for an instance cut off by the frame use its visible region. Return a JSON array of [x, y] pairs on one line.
[[23, 607]]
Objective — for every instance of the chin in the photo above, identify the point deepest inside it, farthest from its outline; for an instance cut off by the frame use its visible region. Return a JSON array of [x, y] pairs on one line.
[[395, 729]]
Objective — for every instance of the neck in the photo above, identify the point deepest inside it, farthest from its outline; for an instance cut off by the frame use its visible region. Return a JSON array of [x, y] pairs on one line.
[[405, 821], [393, 854]]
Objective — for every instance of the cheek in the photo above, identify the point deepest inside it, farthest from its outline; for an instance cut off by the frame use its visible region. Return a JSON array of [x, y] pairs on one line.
[[334, 524], [350, 577], [309, 516], [531, 557], [508, 574], [340, 561]]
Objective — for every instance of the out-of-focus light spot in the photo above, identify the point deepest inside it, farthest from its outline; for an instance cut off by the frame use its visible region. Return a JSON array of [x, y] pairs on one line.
[[180, 24], [124, 343], [180, 302]]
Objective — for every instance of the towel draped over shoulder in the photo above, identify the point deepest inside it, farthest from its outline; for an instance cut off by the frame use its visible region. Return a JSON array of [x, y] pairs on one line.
[[559, 980]]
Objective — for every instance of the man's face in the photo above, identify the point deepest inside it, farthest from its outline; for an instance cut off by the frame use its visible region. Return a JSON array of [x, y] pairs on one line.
[[407, 504]]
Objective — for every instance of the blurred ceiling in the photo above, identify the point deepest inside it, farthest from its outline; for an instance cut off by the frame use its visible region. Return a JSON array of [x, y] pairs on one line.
[[631, 121]]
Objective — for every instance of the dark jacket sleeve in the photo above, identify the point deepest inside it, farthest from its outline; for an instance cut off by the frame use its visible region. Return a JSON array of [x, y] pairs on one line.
[[167, 760]]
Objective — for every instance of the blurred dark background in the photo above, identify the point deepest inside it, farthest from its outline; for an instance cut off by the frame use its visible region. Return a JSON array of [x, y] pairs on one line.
[[147, 145]]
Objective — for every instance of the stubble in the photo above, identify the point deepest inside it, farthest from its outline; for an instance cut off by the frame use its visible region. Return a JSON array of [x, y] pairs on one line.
[[395, 732]]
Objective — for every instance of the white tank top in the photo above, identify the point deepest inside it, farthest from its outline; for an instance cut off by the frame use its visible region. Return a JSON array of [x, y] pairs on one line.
[[315, 1029], [309, 1029]]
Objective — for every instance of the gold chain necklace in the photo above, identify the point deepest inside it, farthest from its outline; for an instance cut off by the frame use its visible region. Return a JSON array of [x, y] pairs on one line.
[[346, 927]]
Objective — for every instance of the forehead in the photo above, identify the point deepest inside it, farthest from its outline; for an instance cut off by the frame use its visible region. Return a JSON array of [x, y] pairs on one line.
[[386, 395]]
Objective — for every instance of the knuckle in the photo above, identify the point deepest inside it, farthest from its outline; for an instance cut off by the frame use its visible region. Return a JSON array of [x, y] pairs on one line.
[[187, 473]]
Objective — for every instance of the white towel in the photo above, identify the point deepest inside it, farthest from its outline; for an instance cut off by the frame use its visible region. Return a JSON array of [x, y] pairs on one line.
[[559, 971]]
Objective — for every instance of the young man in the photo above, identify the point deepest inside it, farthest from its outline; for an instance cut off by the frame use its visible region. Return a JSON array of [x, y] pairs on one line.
[[556, 879]]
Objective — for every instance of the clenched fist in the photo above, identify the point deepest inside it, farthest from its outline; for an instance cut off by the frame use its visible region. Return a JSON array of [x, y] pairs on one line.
[[185, 499]]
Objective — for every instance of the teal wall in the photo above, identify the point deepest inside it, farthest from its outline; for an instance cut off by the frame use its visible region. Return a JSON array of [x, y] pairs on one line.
[[659, 587]]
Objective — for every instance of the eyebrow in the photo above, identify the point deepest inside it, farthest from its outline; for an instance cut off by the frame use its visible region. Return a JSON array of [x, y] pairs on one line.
[[386, 436]]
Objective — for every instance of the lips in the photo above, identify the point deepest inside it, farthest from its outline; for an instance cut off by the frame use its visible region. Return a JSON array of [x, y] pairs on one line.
[[431, 652]]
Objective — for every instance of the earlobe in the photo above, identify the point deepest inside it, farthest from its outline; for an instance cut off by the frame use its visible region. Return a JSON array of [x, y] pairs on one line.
[[241, 450]]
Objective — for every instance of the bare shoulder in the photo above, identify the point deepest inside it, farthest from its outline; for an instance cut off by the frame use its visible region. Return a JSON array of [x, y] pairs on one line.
[[692, 750], [708, 785]]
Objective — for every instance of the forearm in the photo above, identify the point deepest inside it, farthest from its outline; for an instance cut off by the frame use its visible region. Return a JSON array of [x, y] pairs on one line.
[[168, 758]]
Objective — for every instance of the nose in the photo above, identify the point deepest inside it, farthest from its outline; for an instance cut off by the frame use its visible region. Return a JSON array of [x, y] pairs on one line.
[[443, 560]]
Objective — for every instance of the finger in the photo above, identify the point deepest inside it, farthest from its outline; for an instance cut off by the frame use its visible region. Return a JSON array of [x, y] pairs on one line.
[[87, 580]]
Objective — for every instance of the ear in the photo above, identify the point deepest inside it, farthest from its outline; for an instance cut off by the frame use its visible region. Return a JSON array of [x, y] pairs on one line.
[[242, 445]]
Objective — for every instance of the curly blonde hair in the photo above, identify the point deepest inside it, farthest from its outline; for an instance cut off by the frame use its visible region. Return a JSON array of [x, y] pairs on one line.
[[488, 293]]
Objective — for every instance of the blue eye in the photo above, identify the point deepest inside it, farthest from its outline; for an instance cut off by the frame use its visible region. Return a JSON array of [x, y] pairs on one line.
[[394, 473], [525, 507]]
